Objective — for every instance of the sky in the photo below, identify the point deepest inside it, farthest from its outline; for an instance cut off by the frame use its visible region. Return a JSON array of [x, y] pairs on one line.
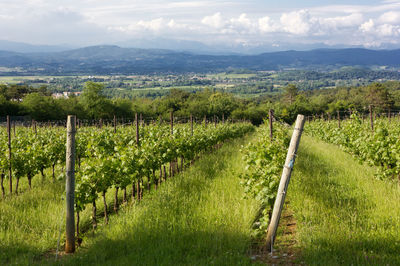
[[368, 23]]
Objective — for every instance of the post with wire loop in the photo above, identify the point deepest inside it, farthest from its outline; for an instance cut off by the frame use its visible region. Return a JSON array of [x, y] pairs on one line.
[[70, 186], [284, 183]]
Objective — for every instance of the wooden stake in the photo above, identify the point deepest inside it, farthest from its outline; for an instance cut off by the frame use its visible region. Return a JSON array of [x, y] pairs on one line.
[[70, 186], [171, 116], [137, 129], [338, 118], [371, 118], [271, 113], [284, 183], [115, 124], [191, 125], [9, 153]]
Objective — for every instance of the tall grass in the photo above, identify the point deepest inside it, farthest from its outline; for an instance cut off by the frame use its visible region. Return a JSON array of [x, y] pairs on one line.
[[345, 216], [197, 218], [29, 222]]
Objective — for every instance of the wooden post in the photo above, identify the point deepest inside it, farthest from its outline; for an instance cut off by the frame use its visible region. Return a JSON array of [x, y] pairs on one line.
[[137, 129], [215, 121], [9, 152], [191, 125], [271, 112], [115, 124], [171, 117], [371, 118], [14, 129], [389, 115], [338, 118], [285, 179], [205, 121], [70, 186], [223, 118]]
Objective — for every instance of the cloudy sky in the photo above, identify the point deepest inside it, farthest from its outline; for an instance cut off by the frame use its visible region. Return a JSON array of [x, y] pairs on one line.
[[370, 23]]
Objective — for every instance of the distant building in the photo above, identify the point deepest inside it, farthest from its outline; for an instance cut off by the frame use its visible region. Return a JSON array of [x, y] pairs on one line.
[[65, 94]]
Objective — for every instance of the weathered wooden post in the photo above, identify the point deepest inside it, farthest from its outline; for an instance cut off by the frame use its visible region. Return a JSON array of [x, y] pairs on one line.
[[285, 179], [171, 117], [115, 124], [172, 163], [223, 118], [70, 186], [9, 153], [137, 129], [371, 118], [191, 125], [270, 115], [338, 118], [389, 115]]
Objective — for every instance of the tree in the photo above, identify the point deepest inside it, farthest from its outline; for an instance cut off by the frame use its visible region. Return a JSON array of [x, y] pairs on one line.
[[40, 107], [94, 103], [379, 96], [290, 93]]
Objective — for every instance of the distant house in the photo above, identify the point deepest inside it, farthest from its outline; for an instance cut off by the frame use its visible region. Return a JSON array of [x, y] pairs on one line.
[[65, 94]]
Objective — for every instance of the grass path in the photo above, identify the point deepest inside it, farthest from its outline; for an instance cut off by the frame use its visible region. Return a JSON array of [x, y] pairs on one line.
[[196, 218], [344, 215]]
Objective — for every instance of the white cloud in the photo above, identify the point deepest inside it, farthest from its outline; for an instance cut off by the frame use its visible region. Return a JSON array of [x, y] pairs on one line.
[[267, 25], [297, 22], [214, 21], [390, 17], [352, 20], [367, 26]]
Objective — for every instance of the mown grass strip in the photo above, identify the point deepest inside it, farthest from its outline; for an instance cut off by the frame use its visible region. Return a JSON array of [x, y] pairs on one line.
[[345, 216], [197, 218]]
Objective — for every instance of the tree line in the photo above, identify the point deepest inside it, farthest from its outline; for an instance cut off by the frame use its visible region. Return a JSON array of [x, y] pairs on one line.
[[38, 104]]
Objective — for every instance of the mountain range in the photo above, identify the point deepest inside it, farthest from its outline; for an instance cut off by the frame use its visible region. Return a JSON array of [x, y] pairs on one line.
[[112, 59]]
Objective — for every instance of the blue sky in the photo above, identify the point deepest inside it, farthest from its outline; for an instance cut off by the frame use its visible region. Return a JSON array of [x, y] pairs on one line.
[[369, 23]]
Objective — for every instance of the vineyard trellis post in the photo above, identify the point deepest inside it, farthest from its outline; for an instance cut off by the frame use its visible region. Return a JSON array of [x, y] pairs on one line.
[[191, 124], [284, 182], [9, 153], [172, 122], [371, 118], [137, 129], [115, 124], [270, 116], [70, 186]]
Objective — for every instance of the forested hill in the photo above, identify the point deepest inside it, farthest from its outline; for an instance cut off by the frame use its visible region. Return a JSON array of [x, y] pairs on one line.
[[107, 59]]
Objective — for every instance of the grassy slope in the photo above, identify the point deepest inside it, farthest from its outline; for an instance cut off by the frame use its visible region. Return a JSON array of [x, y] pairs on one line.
[[345, 216], [197, 218]]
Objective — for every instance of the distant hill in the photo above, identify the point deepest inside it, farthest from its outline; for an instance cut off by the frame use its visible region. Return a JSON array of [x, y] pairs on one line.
[[111, 59], [30, 48]]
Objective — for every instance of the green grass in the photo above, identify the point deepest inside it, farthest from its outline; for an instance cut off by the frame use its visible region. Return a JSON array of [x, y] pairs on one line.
[[345, 216], [29, 222], [197, 218]]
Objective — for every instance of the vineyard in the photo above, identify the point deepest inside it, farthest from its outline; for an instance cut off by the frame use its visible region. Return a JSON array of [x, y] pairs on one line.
[[372, 141], [143, 191], [135, 158]]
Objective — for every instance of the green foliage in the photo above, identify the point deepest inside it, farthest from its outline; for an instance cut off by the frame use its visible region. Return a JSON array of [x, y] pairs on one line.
[[94, 103], [264, 160], [380, 148]]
